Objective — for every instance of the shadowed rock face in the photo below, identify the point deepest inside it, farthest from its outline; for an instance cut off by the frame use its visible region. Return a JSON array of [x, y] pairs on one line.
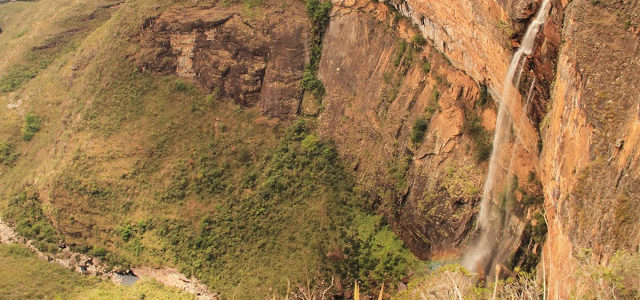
[[254, 62], [427, 190]]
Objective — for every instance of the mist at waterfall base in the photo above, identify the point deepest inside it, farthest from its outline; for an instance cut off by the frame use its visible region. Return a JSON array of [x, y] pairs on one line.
[[484, 251]]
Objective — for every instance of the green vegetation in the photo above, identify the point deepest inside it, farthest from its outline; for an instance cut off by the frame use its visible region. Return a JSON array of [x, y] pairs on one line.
[[380, 255], [397, 171], [418, 129], [32, 125], [294, 206], [249, 4], [535, 198], [403, 59], [318, 12], [527, 256], [485, 98], [425, 66], [418, 40], [25, 276], [455, 282], [433, 105], [615, 279], [182, 86], [459, 182], [442, 81], [421, 124], [525, 200], [481, 138], [156, 172], [40, 56], [16, 77], [25, 214], [401, 51], [7, 154], [507, 29]]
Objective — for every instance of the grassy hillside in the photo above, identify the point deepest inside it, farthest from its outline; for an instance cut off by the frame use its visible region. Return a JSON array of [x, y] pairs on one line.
[[25, 276], [140, 168]]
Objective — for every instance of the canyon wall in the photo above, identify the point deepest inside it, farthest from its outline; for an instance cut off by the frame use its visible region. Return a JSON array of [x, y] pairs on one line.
[[479, 38], [590, 157], [588, 116], [577, 90], [377, 88]]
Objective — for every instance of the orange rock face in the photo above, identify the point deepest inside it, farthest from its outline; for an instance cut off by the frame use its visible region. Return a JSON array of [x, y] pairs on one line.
[[377, 88], [590, 157]]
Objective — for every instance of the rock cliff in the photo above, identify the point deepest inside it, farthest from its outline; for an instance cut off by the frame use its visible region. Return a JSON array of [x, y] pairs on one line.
[[589, 125], [590, 157], [377, 88], [253, 61], [411, 89]]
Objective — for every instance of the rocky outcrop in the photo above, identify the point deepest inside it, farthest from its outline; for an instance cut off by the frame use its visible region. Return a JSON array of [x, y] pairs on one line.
[[377, 88], [591, 154], [253, 61]]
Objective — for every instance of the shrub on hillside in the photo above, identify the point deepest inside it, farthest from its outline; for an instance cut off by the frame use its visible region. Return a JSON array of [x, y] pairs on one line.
[[425, 66], [481, 138], [294, 201], [32, 125], [418, 40], [25, 213], [418, 130], [7, 156], [318, 12]]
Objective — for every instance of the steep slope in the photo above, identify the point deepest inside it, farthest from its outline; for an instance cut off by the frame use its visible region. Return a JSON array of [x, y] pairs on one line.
[[479, 37], [110, 151], [590, 152], [254, 60], [197, 135], [380, 88]]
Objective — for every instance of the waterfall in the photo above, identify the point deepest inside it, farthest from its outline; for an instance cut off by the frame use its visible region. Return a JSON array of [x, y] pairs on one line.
[[529, 96], [482, 253]]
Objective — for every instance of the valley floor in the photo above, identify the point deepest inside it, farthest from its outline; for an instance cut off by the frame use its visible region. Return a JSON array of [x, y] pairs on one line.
[[25, 276]]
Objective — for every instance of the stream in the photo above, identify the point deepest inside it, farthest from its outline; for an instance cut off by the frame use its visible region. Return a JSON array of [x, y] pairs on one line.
[[88, 265]]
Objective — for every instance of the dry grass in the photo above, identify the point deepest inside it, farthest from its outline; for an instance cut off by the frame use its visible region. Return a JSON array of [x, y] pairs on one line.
[[25, 276]]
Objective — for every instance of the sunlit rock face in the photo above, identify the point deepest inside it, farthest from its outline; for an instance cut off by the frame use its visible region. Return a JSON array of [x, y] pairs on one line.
[[590, 157], [480, 38]]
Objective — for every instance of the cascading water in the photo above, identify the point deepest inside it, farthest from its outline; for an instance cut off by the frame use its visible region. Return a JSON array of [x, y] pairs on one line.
[[482, 253]]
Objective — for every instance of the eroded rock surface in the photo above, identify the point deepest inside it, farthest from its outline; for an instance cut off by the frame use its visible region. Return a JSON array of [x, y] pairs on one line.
[[591, 154], [252, 61], [428, 190]]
